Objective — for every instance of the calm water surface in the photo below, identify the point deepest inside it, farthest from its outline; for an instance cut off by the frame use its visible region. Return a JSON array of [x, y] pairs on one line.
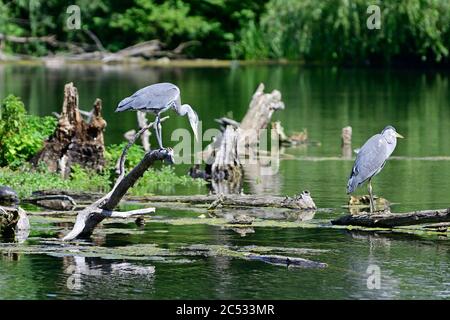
[[322, 100]]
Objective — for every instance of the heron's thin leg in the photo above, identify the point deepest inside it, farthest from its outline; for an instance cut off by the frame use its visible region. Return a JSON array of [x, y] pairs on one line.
[[158, 131], [372, 205]]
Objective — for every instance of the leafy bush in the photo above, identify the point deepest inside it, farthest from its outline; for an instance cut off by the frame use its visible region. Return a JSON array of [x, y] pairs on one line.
[[335, 31], [21, 135], [134, 155]]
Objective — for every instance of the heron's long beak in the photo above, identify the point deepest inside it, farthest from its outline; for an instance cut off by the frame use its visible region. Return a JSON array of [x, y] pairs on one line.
[[398, 135]]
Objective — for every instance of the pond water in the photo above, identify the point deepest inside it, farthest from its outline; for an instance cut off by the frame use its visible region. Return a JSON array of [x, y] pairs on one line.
[[322, 100]]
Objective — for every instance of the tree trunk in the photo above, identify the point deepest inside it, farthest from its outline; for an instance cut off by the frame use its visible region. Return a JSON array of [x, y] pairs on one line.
[[74, 141]]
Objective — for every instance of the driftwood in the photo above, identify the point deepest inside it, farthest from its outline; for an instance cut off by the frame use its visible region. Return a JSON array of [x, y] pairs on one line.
[[302, 201], [96, 51], [226, 154], [74, 141], [53, 202], [258, 117], [51, 40], [130, 136], [12, 220], [390, 220], [92, 215]]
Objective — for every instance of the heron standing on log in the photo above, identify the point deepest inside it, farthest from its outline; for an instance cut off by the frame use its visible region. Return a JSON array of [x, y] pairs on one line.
[[156, 99], [371, 159]]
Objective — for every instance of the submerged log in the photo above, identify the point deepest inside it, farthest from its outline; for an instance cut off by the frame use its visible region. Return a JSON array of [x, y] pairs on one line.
[[74, 141], [390, 220], [286, 261]]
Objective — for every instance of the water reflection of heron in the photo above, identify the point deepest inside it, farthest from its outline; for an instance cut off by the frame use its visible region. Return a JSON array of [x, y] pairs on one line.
[[371, 159]]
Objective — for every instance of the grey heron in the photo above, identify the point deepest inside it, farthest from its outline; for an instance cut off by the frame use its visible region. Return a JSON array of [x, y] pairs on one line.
[[371, 159], [158, 98]]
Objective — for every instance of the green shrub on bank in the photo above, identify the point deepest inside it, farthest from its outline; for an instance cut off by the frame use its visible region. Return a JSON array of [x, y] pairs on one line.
[[21, 135]]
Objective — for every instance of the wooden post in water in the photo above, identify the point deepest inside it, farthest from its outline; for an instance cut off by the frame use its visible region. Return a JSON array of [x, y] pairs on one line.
[[347, 142]]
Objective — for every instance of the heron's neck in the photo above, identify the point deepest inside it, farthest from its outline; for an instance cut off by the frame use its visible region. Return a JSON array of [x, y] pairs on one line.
[[182, 110]]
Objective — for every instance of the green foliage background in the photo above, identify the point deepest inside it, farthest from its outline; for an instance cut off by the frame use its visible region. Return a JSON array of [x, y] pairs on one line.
[[330, 31]]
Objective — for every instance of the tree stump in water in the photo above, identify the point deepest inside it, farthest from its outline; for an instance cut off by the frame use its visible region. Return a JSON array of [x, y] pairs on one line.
[[238, 142], [74, 140], [258, 116]]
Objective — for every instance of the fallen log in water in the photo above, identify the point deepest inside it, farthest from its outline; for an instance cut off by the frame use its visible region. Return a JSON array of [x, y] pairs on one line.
[[302, 201], [390, 220], [53, 202]]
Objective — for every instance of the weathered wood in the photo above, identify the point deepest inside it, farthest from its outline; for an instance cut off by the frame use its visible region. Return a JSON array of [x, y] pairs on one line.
[[390, 220], [53, 202], [238, 141], [12, 219], [346, 145], [92, 215], [51, 40], [74, 141], [302, 201], [226, 165], [258, 116]]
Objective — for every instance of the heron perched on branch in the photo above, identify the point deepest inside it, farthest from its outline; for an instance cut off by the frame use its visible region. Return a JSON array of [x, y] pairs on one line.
[[371, 159], [158, 98]]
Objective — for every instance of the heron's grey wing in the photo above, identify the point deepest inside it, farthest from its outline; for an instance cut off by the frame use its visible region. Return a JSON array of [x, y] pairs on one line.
[[156, 98], [370, 158]]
